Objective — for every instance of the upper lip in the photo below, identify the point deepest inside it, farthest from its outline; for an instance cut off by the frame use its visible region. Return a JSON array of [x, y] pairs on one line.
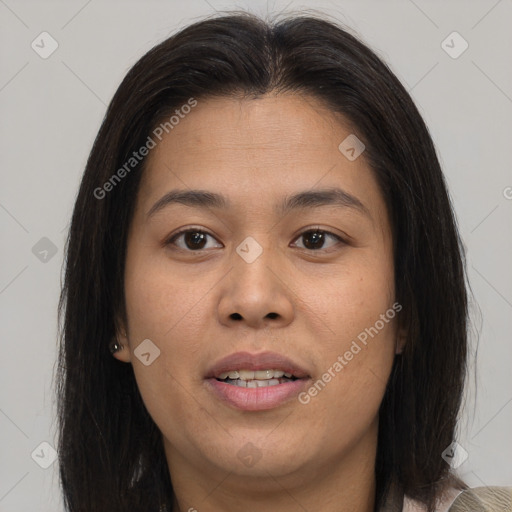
[[259, 361]]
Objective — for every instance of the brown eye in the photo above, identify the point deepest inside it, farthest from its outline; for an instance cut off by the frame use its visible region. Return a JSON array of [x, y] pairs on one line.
[[193, 239], [314, 239]]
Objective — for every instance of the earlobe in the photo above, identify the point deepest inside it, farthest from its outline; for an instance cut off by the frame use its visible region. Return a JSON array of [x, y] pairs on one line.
[[120, 349], [401, 340]]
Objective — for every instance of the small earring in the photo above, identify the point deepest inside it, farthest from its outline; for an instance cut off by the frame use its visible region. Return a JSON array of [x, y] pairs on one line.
[[114, 346]]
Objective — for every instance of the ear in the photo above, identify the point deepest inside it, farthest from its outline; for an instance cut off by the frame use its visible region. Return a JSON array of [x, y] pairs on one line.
[[124, 353], [401, 340]]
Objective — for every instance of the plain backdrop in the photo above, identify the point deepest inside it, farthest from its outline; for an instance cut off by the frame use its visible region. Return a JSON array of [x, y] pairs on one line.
[[52, 109]]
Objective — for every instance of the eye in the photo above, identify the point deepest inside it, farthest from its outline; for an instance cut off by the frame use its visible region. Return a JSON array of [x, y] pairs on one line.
[[315, 239], [193, 239]]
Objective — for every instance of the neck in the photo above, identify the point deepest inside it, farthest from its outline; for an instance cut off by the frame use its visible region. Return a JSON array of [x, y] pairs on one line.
[[344, 483]]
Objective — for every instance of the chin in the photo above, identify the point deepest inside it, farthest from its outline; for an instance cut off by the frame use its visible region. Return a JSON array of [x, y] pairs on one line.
[[262, 459]]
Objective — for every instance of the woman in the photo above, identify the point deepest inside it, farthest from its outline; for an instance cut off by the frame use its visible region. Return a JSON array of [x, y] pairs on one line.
[[264, 305]]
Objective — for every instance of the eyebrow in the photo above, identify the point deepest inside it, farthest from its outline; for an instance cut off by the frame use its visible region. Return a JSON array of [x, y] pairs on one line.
[[307, 199]]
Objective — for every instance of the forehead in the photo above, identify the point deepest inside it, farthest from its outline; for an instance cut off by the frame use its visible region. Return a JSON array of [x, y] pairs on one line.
[[255, 148], [276, 123]]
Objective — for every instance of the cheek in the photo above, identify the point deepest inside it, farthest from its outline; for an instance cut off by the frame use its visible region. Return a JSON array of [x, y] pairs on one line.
[[352, 296], [357, 349], [161, 302], [165, 308]]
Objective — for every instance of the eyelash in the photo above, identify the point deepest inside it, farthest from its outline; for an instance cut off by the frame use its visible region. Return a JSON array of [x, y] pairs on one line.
[[171, 240]]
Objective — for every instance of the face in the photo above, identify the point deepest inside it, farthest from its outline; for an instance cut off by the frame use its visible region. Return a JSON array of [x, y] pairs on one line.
[[290, 270]]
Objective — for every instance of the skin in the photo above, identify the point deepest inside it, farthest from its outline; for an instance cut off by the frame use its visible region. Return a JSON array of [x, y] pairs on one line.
[[199, 306]]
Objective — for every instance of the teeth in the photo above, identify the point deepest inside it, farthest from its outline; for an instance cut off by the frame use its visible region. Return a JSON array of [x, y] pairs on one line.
[[247, 375], [256, 383], [263, 374], [231, 375]]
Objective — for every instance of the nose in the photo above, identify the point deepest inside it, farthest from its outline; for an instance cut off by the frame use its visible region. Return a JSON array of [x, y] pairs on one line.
[[256, 293]]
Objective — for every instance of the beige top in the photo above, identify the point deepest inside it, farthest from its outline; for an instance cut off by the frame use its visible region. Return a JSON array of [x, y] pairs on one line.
[[478, 499]]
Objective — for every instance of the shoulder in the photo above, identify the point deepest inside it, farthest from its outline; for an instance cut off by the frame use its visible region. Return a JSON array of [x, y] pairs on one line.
[[483, 499], [478, 499]]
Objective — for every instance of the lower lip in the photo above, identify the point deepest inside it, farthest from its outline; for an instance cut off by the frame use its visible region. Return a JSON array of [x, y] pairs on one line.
[[256, 399]]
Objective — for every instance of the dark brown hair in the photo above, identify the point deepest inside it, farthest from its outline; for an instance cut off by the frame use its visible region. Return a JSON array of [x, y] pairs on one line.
[[111, 451]]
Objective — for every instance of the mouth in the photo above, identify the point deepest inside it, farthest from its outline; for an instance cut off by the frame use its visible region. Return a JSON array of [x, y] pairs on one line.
[[254, 382], [256, 378]]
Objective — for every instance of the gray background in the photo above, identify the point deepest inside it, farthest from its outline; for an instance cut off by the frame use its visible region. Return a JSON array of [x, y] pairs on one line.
[[52, 109]]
